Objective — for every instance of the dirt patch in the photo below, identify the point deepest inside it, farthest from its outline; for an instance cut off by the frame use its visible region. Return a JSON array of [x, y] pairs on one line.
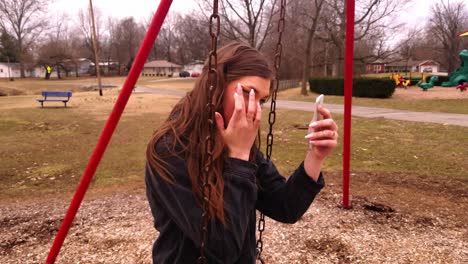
[[427, 199], [438, 92], [387, 224], [331, 246], [100, 107]]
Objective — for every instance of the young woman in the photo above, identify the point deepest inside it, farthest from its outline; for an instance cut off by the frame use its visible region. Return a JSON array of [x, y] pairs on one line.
[[242, 181]]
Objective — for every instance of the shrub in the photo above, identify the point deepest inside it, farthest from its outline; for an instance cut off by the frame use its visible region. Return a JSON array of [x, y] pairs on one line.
[[441, 80], [362, 87]]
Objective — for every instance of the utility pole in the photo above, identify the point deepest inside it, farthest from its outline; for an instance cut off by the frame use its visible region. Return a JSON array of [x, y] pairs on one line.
[[96, 48]]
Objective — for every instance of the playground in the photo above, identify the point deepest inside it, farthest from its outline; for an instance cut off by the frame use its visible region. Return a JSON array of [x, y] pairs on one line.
[[408, 194], [409, 189]]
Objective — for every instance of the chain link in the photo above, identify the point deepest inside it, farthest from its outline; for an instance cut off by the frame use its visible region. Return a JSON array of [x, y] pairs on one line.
[[272, 117], [209, 140]]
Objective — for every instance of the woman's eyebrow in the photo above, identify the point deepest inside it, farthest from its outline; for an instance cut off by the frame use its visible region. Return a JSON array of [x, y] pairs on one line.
[[253, 87]]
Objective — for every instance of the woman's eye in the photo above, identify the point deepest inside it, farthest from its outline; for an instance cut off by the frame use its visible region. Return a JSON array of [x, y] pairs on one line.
[[262, 101]]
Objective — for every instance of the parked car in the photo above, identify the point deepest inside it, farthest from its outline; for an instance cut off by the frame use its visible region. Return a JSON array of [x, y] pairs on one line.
[[184, 74], [195, 74]]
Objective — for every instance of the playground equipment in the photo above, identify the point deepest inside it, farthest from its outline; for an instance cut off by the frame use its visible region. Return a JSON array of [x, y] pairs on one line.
[[429, 84], [460, 75], [400, 81], [463, 87]]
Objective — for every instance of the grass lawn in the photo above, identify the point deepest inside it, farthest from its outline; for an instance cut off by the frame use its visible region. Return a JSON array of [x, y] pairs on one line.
[[421, 104], [37, 85], [459, 106], [45, 151]]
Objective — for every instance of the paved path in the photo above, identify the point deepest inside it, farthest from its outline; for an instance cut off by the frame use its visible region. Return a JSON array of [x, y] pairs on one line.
[[361, 111]]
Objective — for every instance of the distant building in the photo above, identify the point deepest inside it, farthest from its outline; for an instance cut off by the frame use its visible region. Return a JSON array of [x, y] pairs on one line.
[[160, 68], [10, 70], [403, 66], [377, 66], [106, 67], [194, 67], [80, 65]]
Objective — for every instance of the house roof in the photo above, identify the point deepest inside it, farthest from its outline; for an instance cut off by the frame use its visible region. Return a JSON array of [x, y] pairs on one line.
[[161, 64], [411, 62]]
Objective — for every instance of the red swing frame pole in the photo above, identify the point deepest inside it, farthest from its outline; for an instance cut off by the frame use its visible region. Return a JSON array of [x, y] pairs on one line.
[[110, 126], [348, 92]]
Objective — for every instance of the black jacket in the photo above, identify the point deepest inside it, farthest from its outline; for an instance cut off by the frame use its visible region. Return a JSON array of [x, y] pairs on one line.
[[177, 216]]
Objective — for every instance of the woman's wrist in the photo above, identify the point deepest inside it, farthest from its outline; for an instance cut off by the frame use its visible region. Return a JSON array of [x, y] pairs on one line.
[[313, 165]]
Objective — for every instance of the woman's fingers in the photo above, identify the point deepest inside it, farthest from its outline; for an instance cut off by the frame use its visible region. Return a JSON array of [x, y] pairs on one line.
[[251, 106], [324, 143], [219, 122], [239, 108], [258, 115], [324, 134], [324, 124]]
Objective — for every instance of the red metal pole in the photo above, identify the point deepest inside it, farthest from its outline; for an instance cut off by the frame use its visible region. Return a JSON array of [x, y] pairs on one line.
[[110, 126], [348, 92]]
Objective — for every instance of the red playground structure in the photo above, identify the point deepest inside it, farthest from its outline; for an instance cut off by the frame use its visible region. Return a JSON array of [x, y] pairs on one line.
[[463, 87]]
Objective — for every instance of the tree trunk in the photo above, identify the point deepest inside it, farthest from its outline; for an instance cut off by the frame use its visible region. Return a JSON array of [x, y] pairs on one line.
[[340, 63], [58, 71], [21, 57], [305, 69], [76, 69]]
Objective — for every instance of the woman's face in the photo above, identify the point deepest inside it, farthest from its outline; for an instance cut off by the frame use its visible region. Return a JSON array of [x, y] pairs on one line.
[[261, 87]]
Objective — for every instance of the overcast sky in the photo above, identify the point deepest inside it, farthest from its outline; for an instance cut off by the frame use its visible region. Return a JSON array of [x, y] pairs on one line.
[[140, 9], [414, 15]]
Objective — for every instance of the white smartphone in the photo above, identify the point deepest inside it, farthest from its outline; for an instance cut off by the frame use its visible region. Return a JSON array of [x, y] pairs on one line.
[[317, 116], [318, 102]]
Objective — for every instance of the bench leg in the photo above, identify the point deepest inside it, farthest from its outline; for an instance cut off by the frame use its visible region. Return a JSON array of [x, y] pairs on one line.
[[65, 104], [42, 104]]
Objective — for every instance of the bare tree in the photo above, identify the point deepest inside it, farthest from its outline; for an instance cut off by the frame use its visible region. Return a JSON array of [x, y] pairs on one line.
[[8, 52], [192, 41], [372, 20], [407, 47], [447, 20], [24, 20], [57, 49], [167, 37], [308, 20], [126, 37], [85, 27], [248, 20]]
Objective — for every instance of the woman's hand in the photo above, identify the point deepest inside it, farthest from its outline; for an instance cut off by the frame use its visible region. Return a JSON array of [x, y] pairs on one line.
[[323, 138], [242, 129]]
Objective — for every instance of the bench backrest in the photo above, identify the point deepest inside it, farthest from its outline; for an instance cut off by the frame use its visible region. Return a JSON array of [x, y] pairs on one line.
[[56, 94]]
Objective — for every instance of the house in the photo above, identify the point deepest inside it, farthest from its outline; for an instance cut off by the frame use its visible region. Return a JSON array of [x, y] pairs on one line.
[[107, 67], [403, 66], [428, 66], [413, 66], [9, 70], [80, 65], [160, 68], [194, 67], [377, 66]]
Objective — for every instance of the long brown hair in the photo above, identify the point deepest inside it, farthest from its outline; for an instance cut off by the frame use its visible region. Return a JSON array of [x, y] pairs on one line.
[[186, 127]]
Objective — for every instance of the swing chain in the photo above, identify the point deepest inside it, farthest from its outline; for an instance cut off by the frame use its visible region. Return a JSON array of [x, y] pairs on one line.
[[209, 140], [272, 116]]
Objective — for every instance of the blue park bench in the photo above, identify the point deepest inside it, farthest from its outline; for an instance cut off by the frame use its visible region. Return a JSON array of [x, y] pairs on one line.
[[63, 97]]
